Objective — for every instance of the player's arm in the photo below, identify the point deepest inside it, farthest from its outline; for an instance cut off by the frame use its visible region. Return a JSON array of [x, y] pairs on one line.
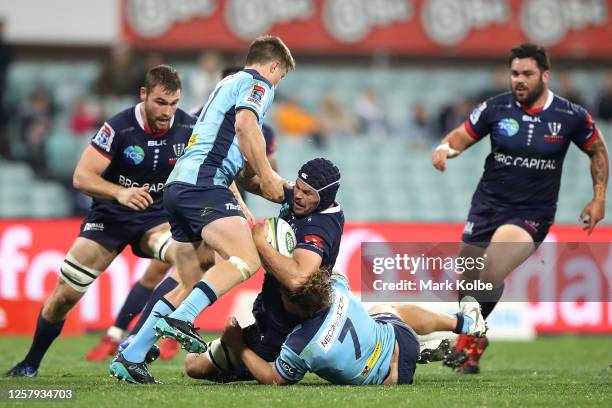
[[247, 179], [292, 272], [88, 179], [451, 146], [595, 210], [253, 146], [264, 372]]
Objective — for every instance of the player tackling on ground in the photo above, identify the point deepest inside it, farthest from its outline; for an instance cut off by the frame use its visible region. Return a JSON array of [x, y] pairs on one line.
[[516, 199]]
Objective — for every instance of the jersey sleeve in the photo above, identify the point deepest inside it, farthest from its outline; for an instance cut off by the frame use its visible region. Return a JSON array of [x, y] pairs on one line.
[[253, 95], [477, 124], [104, 141], [270, 137], [585, 133], [314, 238], [289, 365]]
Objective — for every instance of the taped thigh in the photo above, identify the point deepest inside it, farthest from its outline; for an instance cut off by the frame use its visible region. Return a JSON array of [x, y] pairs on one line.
[[77, 276]]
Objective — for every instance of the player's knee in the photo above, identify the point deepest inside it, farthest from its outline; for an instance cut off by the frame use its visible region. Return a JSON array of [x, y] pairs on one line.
[[160, 245], [196, 366], [76, 275], [246, 266]]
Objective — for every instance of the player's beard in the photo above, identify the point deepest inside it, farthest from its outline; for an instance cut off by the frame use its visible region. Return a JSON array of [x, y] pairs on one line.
[[532, 94], [152, 121]]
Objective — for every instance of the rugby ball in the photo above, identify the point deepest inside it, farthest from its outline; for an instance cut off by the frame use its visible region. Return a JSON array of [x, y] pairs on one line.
[[281, 236]]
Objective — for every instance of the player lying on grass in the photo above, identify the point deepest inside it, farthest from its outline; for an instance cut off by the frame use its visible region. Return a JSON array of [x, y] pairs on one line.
[[343, 343]]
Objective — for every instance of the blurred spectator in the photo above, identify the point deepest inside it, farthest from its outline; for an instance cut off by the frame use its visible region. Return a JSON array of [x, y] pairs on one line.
[[6, 56], [418, 128], [293, 120], [370, 116], [206, 76], [85, 117], [567, 89], [334, 119], [120, 75], [453, 115], [603, 105], [501, 83], [35, 117]]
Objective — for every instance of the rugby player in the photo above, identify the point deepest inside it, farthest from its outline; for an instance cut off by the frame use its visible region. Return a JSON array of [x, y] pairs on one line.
[[516, 199], [124, 169], [341, 342], [203, 213], [317, 220]]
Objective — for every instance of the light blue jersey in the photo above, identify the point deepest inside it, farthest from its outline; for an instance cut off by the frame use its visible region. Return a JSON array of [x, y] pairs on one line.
[[343, 345], [212, 156]]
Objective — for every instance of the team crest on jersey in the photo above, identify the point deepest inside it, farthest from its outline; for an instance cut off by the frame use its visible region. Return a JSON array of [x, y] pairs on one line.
[[257, 95], [104, 138], [554, 129], [178, 149], [475, 115], [508, 127], [134, 154]]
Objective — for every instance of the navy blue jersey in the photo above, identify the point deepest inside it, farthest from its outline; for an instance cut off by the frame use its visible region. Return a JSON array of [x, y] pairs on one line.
[[137, 157], [523, 170], [319, 232]]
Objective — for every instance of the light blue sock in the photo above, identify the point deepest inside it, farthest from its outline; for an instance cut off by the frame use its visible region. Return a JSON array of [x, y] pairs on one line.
[[202, 296], [467, 321], [145, 338]]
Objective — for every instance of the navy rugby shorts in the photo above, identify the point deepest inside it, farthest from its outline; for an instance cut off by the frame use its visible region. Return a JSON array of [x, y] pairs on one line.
[[119, 230], [409, 347], [190, 208], [483, 220]]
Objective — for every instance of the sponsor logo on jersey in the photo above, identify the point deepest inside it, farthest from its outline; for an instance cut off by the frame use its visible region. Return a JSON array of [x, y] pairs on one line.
[[286, 367], [372, 360], [232, 207], [508, 127], [104, 138], [257, 95], [469, 226], [475, 115], [134, 154], [152, 143], [153, 188], [315, 241], [192, 141], [332, 330], [94, 226], [525, 162]]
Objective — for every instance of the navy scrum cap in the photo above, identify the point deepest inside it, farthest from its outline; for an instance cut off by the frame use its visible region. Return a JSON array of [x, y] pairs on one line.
[[324, 177]]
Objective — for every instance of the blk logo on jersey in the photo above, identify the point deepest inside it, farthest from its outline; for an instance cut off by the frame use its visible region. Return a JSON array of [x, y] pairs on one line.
[[257, 95], [104, 138], [508, 127], [134, 154]]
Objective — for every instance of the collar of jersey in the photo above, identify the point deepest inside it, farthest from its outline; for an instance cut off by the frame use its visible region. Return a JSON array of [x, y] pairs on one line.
[[148, 130], [258, 76], [538, 109]]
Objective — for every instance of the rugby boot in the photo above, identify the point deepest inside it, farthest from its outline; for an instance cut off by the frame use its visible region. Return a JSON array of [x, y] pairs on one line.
[[22, 369], [105, 348], [474, 352], [181, 331], [134, 373]]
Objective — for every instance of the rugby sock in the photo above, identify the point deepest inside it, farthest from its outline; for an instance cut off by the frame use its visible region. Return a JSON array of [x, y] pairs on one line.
[[461, 322], [164, 287], [136, 300], [492, 299], [44, 335], [202, 296], [145, 338]]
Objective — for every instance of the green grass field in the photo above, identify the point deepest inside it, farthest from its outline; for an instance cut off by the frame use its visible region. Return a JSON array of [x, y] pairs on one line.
[[555, 371]]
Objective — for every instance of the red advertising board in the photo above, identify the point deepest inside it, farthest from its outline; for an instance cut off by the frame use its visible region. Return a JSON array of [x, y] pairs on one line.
[[32, 251], [571, 28]]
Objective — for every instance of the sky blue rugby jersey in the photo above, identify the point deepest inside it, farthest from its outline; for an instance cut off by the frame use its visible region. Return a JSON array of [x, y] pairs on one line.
[[342, 345], [212, 156], [528, 146]]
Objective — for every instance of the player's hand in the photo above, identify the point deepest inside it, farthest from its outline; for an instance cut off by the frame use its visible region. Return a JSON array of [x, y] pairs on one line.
[[232, 335], [260, 232], [592, 214], [272, 188], [136, 198], [441, 155]]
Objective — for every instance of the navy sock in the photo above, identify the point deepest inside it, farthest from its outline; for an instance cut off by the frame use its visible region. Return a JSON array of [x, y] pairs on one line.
[[136, 300], [488, 299], [164, 287], [44, 335], [460, 320]]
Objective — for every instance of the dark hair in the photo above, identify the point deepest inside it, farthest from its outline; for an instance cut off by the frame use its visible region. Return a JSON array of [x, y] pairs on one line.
[[267, 48], [229, 70], [314, 296], [164, 76], [537, 52]]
